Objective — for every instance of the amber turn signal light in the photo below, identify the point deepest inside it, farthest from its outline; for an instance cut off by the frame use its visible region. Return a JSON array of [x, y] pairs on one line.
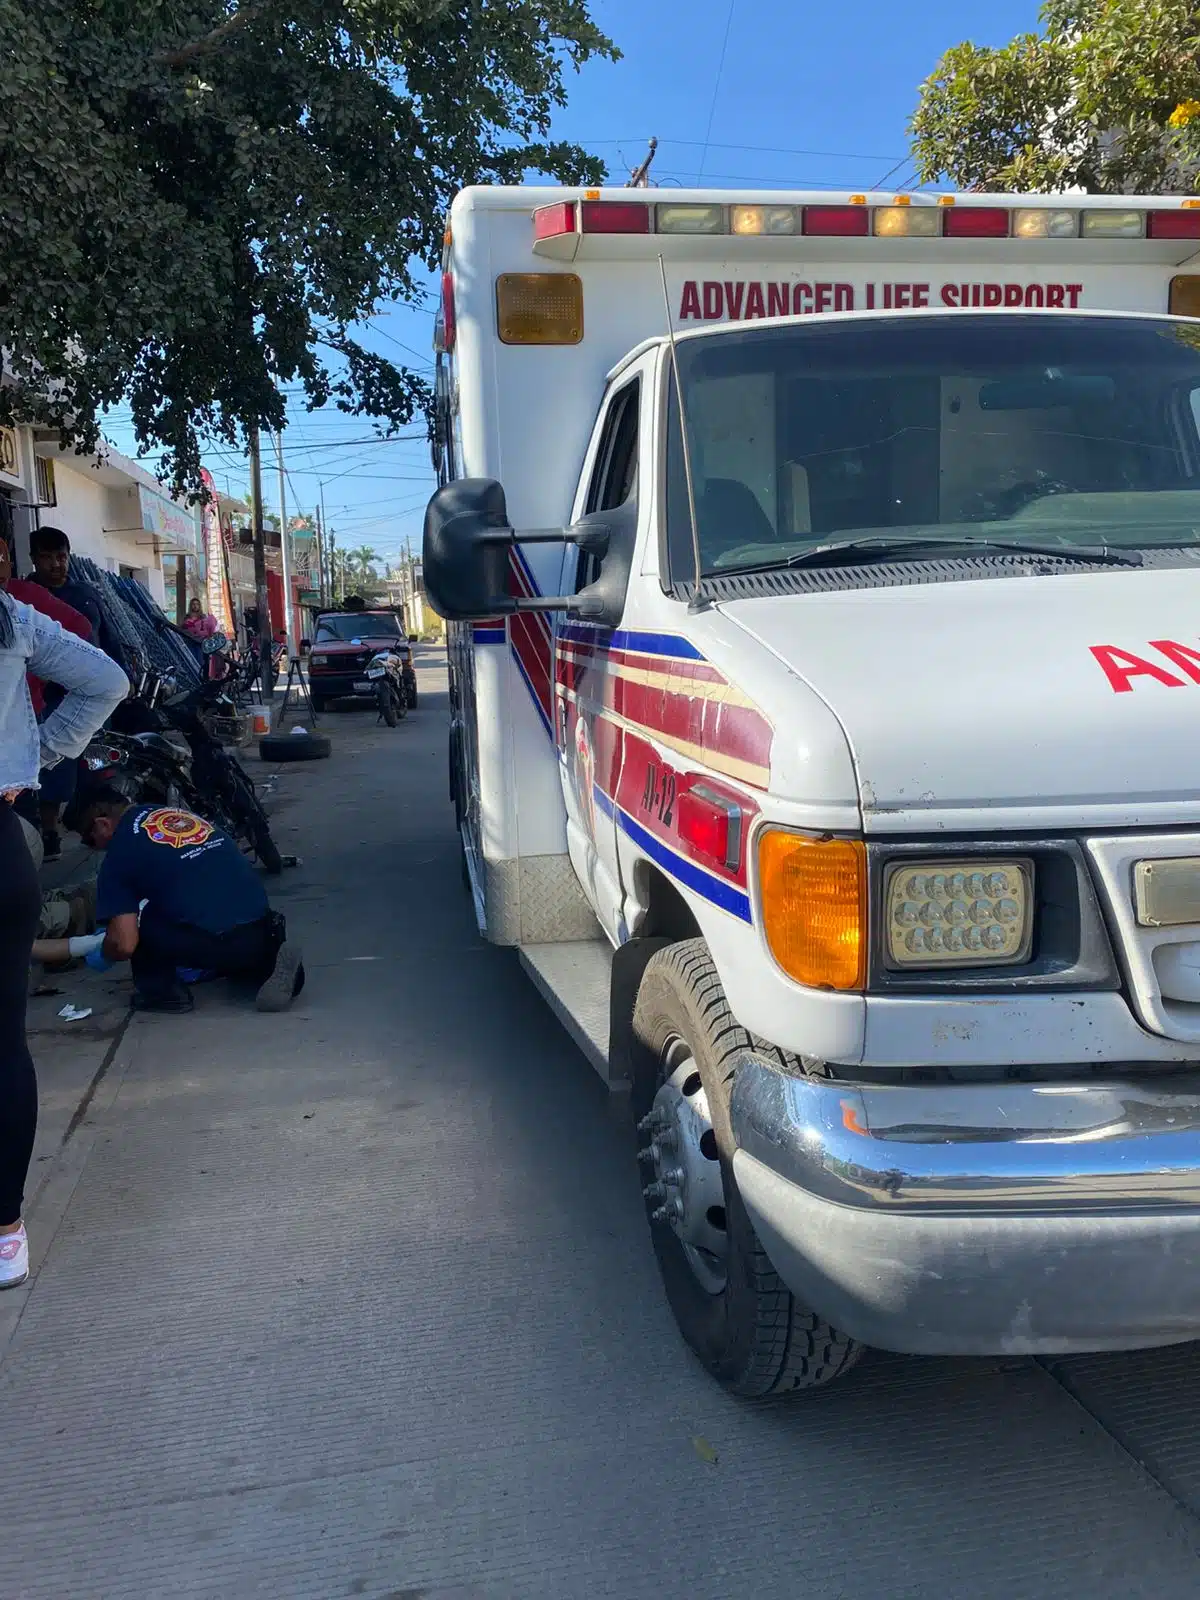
[[539, 308], [813, 894]]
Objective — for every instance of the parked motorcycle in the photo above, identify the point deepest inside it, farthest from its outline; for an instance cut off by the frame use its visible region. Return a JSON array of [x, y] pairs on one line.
[[170, 751], [386, 671]]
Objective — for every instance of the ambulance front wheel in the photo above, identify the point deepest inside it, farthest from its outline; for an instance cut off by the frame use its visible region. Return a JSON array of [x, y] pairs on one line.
[[742, 1321]]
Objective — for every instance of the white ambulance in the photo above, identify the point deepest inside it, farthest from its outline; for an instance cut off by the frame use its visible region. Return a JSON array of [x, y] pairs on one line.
[[825, 680]]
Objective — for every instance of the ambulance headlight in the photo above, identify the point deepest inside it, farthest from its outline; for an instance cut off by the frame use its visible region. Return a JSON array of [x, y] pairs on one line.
[[690, 219], [1045, 223], [906, 222], [959, 913], [1113, 224], [762, 219]]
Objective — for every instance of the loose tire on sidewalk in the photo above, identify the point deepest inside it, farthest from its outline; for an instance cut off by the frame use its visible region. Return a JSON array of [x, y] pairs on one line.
[[750, 1331], [294, 747]]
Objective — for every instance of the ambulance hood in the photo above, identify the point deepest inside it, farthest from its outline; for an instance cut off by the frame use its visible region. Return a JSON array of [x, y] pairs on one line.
[[1025, 702]]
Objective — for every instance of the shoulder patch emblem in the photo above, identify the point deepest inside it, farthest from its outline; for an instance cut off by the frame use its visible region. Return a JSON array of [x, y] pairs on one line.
[[179, 829]]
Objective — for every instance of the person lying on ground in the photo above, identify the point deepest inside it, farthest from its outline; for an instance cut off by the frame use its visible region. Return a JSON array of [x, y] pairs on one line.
[[202, 904]]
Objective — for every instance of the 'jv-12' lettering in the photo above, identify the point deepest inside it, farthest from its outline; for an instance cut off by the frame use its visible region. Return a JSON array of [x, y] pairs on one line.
[[658, 794]]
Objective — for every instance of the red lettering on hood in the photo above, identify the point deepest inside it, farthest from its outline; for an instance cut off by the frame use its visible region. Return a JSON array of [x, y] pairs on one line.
[[1179, 655], [1119, 666]]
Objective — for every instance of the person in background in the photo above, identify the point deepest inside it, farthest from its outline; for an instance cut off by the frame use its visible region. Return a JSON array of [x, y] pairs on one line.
[[50, 552], [58, 784], [176, 892], [198, 626], [93, 685]]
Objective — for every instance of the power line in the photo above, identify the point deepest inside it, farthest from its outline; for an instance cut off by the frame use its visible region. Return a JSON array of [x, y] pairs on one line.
[[757, 149], [712, 109], [384, 334], [851, 185]]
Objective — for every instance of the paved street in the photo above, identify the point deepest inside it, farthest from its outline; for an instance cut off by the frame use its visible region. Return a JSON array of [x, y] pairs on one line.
[[358, 1302]]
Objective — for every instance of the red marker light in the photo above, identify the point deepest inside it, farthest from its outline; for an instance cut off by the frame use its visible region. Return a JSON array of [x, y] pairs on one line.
[[614, 216], [711, 824], [1173, 224], [448, 325], [975, 222], [551, 222], [842, 222]]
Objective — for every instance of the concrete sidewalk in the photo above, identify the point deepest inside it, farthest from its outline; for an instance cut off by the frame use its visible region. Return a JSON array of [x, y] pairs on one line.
[[359, 1301]]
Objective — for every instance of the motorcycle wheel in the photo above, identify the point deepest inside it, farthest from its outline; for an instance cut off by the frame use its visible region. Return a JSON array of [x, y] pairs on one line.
[[265, 848], [387, 706], [251, 820]]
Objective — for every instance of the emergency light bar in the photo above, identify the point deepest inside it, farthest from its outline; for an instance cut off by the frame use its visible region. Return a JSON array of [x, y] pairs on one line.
[[859, 217]]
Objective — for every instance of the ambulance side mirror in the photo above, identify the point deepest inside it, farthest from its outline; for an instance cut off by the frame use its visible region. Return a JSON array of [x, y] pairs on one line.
[[466, 548]]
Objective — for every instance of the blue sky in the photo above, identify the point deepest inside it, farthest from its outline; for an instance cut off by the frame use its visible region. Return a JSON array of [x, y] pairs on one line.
[[757, 92]]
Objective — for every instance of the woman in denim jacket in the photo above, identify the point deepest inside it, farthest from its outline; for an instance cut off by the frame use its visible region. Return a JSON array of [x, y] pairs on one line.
[[32, 643]]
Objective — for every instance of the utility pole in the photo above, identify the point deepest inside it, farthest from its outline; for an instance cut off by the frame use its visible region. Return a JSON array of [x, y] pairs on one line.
[[289, 628], [324, 524], [639, 178], [318, 519], [261, 599]]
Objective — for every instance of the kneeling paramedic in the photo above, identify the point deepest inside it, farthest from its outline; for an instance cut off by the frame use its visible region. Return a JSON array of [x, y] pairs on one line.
[[176, 892]]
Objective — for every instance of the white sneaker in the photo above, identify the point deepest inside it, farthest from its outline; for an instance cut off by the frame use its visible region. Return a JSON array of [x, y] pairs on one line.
[[14, 1258]]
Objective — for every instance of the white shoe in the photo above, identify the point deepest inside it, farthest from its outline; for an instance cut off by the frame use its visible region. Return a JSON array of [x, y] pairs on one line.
[[14, 1258]]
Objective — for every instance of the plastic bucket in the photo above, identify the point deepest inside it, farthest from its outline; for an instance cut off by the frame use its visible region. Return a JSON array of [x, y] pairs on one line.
[[262, 723]]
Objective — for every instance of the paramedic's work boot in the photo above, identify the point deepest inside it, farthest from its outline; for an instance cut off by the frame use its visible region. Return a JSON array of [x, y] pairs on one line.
[[286, 980]]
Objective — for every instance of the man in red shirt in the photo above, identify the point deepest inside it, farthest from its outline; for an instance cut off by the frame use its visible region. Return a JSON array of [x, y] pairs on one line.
[[43, 600]]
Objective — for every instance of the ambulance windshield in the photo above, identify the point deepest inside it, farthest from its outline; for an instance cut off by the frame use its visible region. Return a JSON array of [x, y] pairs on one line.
[[1054, 429]]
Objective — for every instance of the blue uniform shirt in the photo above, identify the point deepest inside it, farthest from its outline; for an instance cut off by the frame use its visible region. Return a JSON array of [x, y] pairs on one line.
[[187, 869]]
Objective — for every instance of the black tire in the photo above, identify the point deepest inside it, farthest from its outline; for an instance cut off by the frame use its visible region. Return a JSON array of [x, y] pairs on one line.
[[250, 820], [752, 1335], [412, 697], [291, 747], [387, 706]]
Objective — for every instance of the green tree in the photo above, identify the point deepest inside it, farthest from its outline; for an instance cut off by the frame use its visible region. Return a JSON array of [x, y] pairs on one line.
[[202, 197], [362, 563], [1106, 98]]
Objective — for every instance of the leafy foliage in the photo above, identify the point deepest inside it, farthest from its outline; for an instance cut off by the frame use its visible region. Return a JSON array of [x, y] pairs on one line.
[[202, 197], [1105, 99]]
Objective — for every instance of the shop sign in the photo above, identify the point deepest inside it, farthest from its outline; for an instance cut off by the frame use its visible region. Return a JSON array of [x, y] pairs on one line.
[[10, 456], [174, 524]]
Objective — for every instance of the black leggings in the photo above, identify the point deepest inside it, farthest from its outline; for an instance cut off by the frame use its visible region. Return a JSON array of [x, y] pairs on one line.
[[20, 906]]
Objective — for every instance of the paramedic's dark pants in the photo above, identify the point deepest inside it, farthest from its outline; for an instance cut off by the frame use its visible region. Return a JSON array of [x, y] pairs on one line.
[[245, 952], [20, 905]]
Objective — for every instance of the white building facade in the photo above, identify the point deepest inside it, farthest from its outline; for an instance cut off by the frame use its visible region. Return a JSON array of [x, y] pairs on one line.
[[113, 511]]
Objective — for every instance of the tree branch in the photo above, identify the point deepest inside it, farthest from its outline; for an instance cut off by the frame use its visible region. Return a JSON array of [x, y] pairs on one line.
[[215, 37]]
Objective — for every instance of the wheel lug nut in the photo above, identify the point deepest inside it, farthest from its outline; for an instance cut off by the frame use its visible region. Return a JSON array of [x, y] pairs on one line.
[[654, 1191], [674, 1176], [648, 1152], [668, 1138]]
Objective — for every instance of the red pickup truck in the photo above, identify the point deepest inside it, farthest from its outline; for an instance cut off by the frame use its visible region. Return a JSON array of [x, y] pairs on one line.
[[344, 642]]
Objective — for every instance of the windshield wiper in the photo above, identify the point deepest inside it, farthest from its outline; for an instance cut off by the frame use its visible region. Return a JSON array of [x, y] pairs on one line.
[[849, 552]]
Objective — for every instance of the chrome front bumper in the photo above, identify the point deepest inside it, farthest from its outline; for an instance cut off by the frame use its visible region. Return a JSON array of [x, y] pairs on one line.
[[979, 1219]]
